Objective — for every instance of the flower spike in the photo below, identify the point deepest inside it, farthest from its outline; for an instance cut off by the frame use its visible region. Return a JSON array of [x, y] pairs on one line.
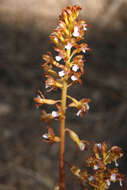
[[63, 68]]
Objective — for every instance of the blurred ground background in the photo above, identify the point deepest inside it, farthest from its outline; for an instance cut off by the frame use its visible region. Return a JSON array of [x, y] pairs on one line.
[[25, 162]]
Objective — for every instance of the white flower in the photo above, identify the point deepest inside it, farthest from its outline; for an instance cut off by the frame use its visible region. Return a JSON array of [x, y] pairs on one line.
[[78, 113], [91, 178], [120, 181], [108, 182], [84, 50], [85, 27], [46, 86], [73, 77], [87, 106], [55, 114], [61, 73], [76, 32], [113, 177], [116, 163], [68, 46], [98, 145], [95, 167], [82, 146], [75, 67], [58, 58], [45, 136]]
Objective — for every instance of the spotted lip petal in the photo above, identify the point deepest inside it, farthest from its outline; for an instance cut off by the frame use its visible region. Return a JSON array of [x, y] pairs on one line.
[[61, 73], [46, 117], [41, 101], [68, 46], [55, 114], [76, 31], [50, 136], [75, 67], [58, 58], [74, 78]]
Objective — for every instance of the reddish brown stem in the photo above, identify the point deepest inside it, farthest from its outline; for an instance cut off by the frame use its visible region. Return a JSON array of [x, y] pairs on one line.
[[62, 137]]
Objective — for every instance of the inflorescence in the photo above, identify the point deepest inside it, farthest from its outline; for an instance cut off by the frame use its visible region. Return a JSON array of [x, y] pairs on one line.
[[62, 69]]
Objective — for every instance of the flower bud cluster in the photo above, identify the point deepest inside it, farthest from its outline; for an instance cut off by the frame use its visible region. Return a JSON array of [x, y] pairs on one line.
[[69, 47], [100, 162]]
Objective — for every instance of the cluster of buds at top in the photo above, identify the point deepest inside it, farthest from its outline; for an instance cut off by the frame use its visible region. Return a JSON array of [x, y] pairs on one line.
[[69, 50], [102, 174], [66, 64]]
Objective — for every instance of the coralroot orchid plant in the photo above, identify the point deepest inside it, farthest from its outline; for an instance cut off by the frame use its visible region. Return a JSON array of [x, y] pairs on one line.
[[62, 71]]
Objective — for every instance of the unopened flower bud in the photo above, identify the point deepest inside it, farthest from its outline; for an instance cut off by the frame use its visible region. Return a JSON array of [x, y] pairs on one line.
[[76, 139]]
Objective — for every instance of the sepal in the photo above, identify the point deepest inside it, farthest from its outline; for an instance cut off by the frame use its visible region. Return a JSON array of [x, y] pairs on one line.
[[40, 100]]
